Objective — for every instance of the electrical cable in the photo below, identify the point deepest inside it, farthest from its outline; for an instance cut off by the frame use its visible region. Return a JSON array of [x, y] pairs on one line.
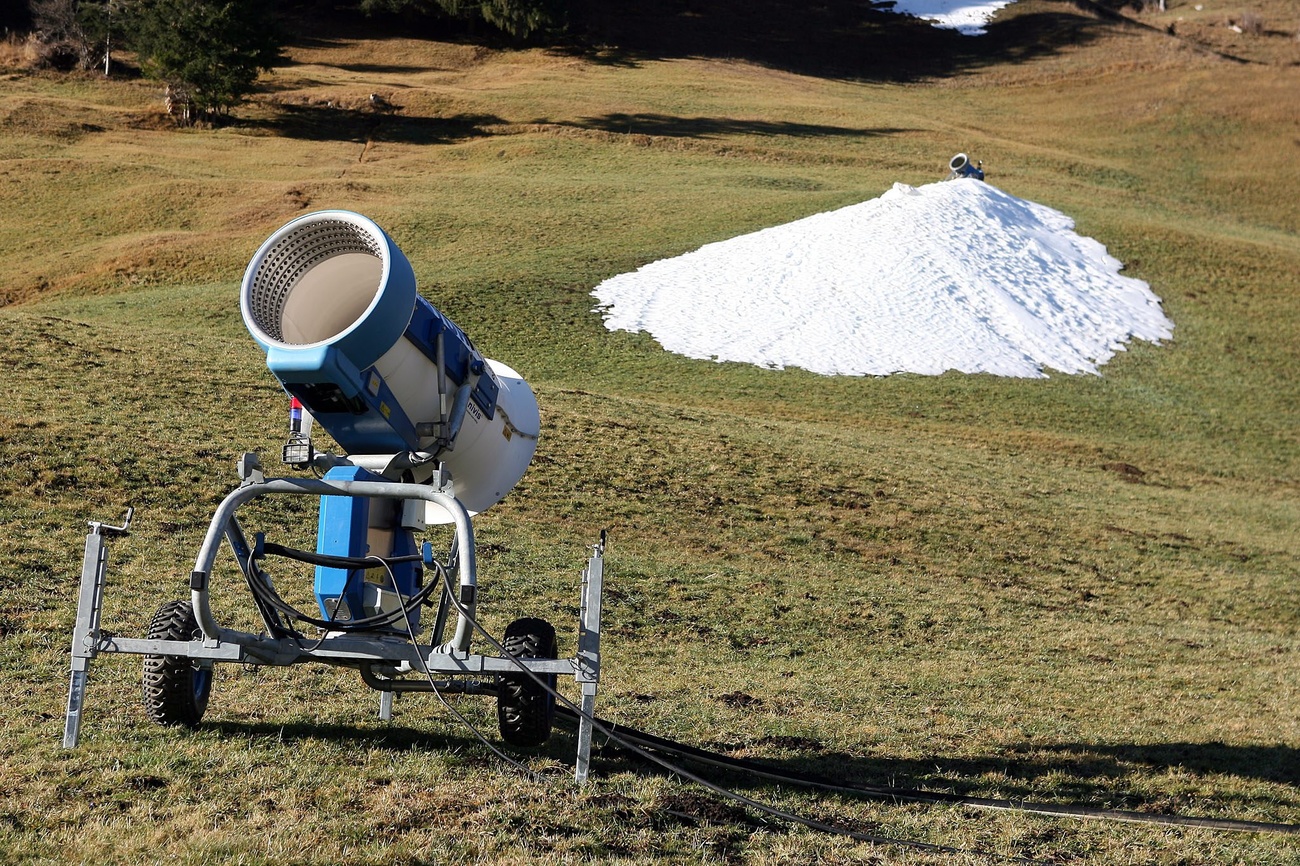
[[756, 768], [338, 603], [645, 746], [640, 744], [266, 593], [677, 770], [433, 686], [329, 560]]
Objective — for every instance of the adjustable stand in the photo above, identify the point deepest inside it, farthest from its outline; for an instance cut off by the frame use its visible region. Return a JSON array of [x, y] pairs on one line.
[[389, 664]]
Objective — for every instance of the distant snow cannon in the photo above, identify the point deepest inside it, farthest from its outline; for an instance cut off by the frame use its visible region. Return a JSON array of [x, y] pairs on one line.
[[333, 303], [960, 166], [433, 432]]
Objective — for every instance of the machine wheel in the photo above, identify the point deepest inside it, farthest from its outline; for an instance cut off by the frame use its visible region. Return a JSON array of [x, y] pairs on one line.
[[525, 710], [176, 689]]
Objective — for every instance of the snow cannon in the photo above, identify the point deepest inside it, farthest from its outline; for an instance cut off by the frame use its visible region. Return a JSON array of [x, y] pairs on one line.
[[960, 166], [332, 302], [432, 432]]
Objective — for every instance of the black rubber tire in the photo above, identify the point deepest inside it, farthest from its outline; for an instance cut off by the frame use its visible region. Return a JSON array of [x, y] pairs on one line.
[[176, 689], [525, 710]]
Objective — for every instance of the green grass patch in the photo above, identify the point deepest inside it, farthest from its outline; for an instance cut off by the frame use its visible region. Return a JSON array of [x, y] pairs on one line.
[[1075, 589]]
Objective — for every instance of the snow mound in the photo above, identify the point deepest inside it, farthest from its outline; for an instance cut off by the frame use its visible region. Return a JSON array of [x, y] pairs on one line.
[[956, 275], [967, 17]]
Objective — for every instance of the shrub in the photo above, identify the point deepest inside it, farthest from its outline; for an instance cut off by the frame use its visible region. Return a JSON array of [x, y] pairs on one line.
[[60, 29], [23, 52]]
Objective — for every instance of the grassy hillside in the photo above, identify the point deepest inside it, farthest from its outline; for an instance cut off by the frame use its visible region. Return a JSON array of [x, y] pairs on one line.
[[1075, 589]]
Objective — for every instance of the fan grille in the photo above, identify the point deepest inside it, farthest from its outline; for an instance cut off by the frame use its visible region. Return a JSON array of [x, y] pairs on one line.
[[292, 256]]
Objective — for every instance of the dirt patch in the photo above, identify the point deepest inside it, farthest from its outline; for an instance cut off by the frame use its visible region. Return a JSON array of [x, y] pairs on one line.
[[1126, 471]]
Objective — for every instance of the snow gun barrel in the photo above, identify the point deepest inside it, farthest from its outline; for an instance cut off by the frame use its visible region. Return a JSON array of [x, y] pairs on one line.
[[961, 166], [333, 303]]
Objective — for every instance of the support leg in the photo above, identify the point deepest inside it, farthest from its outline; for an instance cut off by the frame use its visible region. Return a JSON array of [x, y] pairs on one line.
[[588, 673], [583, 764], [85, 635], [76, 693], [86, 632]]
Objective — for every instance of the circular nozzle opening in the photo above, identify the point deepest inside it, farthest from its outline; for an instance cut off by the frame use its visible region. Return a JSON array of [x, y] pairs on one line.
[[315, 280], [958, 162]]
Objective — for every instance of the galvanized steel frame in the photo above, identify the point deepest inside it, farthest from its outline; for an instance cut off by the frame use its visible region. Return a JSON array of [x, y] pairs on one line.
[[393, 654]]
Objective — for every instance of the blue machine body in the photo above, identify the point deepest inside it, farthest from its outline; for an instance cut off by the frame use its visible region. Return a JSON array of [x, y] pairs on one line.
[[345, 529], [334, 374], [355, 404], [333, 303]]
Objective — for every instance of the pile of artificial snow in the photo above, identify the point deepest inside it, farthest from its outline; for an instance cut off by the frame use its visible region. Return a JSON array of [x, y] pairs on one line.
[[967, 17], [956, 275]]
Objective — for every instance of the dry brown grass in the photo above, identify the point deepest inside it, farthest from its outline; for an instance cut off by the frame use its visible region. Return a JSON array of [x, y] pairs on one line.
[[22, 52], [1258, 33]]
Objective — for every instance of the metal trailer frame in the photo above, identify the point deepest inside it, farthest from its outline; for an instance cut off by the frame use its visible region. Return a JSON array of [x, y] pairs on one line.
[[382, 660]]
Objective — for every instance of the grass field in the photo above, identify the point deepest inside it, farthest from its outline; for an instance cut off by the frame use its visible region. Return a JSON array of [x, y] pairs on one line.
[[1080, 589]]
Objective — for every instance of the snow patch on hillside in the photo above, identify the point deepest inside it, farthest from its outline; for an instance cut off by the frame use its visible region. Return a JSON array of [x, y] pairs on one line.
[[954, 275]]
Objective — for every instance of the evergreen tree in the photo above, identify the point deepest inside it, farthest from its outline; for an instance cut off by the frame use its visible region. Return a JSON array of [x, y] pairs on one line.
[[102, 23], [208, 53], [519, 18]]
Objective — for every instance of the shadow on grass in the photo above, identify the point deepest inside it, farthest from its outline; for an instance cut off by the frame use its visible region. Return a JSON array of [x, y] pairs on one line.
[[1077, 775], [388, 68], [1266, 763], [1081, 773], [847, 39], [707, 127], [340, 123], [398, 737], [832, 39]]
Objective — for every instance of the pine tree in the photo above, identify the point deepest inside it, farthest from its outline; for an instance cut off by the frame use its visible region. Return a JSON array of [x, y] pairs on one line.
[[207, 53], [519, 18]]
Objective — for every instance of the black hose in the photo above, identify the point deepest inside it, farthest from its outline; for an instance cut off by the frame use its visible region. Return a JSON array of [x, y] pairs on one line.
[[569, 710], [265, 592], [643, 740], [643, 745], [311, 557]]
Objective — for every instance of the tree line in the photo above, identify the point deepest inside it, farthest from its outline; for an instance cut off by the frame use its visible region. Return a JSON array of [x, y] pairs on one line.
[[209, 53]]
